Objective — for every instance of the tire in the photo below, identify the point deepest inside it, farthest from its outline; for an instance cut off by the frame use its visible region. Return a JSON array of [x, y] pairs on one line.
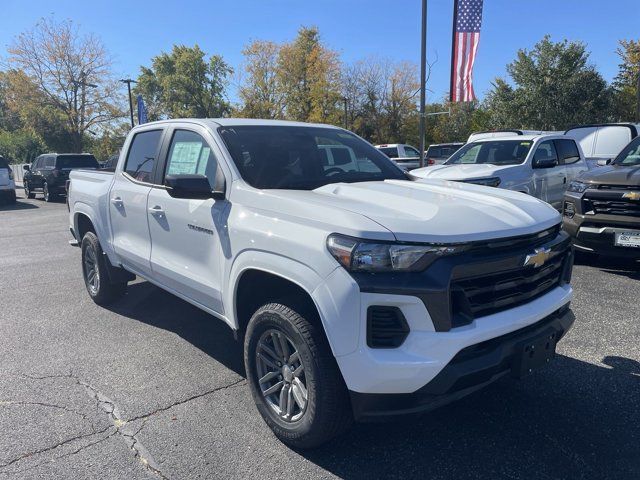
[[326, 411], [95, 273], [27, 191], [48, 196]]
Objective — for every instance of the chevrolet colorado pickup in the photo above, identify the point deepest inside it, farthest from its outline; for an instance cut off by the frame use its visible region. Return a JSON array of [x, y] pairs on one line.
[[357, 292], [601, 208]]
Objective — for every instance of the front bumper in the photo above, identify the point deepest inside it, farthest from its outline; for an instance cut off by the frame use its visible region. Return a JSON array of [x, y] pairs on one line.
[[595, 233], [469, 370]]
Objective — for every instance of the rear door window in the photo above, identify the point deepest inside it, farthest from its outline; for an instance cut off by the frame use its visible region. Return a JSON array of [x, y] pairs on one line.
[[391, 152], [143, 155]]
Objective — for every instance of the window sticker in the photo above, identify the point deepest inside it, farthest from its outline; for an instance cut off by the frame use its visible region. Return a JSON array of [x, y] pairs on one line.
[[184, 158]]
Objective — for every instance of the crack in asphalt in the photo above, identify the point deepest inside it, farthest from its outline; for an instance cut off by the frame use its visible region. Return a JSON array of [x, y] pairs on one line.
[[122, 426], [242, 381]]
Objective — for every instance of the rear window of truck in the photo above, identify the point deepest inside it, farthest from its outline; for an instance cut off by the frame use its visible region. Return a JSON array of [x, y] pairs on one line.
[[76, 161]]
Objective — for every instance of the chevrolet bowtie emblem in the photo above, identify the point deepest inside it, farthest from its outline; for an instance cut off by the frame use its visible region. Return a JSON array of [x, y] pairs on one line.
[[632, 195], [538, 258]]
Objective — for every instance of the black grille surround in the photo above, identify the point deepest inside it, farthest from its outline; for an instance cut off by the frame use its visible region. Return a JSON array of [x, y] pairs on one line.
[[488, 278], [608, 200]]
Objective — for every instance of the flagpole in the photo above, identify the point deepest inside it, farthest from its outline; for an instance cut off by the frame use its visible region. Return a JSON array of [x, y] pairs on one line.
[[423, 79]]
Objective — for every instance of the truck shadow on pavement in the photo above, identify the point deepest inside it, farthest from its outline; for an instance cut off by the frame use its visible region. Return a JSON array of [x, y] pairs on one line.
[[616, 266], [5, 207], [571, 420]]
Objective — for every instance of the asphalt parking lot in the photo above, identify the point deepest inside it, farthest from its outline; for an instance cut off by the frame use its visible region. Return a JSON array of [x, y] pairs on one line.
[[154, 388]]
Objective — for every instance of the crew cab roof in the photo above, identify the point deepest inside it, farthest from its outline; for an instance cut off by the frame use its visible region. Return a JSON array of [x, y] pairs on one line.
[[236, 122], [520, 138]]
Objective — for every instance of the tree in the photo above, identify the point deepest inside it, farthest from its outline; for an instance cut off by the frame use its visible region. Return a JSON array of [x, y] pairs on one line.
[[309, 75], [554, 87], [72, 74], [626, 83], [21, 146], [184, 83], [261, 92]]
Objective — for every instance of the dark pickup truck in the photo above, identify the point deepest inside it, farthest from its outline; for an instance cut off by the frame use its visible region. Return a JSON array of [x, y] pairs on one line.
[[48, 173], [601, 209]]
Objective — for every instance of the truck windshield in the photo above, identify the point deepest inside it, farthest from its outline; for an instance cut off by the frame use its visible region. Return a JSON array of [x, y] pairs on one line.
[[76, 161], [304, 158], [630, 155], [495, 152]]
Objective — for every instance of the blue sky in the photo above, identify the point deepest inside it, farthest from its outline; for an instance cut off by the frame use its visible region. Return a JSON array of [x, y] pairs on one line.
[[136, 30]]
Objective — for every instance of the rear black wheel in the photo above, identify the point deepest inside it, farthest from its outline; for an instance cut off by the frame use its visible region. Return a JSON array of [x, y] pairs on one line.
[[95, 272], [294, 378], [27, 191], [48, 196]]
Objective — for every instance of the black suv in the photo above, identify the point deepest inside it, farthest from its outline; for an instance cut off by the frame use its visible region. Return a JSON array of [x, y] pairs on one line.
[[49, 173]]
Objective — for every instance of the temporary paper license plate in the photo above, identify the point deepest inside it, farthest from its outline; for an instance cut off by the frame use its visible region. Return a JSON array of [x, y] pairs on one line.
[[628, 239]]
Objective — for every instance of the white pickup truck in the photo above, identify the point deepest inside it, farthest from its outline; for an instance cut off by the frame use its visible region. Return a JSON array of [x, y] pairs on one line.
[[357, 293]]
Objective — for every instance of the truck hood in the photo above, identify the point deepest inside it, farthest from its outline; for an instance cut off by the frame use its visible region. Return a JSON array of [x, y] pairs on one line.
[[460, 172], [613, 175], [421, 211]]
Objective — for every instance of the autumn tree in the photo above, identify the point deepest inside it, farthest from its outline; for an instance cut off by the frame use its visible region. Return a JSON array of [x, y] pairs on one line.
[[627, 82], [72, 75], [309, 76], [184, 83], [261, 92]]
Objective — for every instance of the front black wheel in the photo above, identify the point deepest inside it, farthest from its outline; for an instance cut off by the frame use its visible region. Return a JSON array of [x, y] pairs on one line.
[[96, 277], [27, 191], [294, 378]]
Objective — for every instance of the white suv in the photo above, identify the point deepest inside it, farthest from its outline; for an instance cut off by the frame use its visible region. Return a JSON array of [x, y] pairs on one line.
[[357, 292], [7, 184], [539, 165]]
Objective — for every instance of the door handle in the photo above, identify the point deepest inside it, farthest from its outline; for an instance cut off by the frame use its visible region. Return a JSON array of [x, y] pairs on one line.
[[564, 179], [157, 210], [117, 201]]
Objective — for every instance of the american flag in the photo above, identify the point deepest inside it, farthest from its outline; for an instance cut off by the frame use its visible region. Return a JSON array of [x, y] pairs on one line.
[[467, 19]]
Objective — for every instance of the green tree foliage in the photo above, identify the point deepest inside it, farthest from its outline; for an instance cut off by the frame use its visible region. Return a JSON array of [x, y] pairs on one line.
[[68, 78], [553, 87], [626, 82], [184, 83], [21, 146]]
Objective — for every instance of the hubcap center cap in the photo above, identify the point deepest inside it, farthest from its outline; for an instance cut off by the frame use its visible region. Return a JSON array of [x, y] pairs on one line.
[[287, 373]]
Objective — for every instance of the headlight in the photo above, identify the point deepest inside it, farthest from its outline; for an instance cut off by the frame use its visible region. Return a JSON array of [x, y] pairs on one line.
[[358, 255], [577, 187], [487, 182]]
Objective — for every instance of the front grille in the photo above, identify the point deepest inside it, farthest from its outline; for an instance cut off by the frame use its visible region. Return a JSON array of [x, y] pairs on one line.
[[479, 296], [618, 187], [611, 206], [386, 327]]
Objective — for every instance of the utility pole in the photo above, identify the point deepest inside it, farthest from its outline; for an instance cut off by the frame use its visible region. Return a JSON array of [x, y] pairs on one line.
[[129, 81], [638, 98], [423, 79], [346, 116], [82, 83]]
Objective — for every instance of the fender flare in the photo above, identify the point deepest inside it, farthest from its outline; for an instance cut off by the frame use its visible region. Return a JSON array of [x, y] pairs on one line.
[[81, 208]]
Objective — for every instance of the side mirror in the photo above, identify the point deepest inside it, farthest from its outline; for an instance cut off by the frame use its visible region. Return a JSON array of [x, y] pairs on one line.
[[603, 162], [191, 187], [547, 162], [26, 168]]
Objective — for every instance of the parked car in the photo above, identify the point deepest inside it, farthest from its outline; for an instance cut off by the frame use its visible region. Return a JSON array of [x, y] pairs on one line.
[[602, 142], [438, 153], [7, 184], [504, 133], [48, 173], [602, 207], [110, 163], [405, 156], [357, 293], [539, 165]]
